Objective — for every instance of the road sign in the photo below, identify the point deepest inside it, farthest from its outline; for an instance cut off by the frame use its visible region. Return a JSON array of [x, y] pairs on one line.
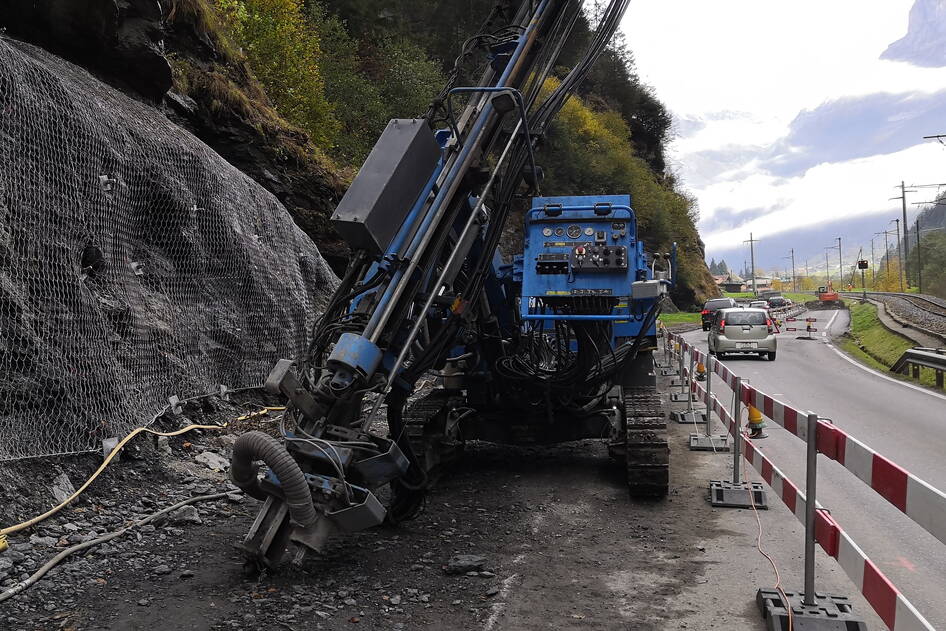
[[862, 264]]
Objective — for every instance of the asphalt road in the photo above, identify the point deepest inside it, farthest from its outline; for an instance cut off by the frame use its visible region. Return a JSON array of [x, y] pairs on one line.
[[906, 424]]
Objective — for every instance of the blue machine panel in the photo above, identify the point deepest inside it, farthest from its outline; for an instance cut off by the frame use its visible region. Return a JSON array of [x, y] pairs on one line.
[[577, 247]]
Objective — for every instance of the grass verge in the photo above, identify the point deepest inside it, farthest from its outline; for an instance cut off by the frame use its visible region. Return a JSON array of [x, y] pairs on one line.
[[679, 318], [877, 346]]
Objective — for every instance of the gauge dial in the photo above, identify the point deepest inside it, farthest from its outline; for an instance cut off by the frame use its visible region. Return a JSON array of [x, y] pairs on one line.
[[546, 232], [589, 231], [560, 232], [574, 231]]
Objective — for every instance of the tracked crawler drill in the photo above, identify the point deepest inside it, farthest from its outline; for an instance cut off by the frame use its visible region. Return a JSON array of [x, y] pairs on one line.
[[554, 345]]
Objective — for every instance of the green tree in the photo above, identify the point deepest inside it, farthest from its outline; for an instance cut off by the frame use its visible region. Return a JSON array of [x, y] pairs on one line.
[[283, 52]]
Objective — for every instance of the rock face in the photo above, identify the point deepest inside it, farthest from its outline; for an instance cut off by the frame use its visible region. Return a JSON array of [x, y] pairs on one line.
[[121, 38], [923, 43], [135, 263]]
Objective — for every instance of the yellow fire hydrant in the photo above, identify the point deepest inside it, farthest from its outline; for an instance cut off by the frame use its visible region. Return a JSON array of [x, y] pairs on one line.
[[756, 423]]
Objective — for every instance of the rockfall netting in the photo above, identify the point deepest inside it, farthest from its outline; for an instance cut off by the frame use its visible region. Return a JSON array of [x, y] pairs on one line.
[[135, 263]]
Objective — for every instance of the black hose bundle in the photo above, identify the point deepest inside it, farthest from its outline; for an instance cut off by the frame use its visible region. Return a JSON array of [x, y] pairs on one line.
[[253, 446]]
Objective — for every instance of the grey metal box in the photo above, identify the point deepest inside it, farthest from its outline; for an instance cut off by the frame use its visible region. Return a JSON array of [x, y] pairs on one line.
[[388, 184]]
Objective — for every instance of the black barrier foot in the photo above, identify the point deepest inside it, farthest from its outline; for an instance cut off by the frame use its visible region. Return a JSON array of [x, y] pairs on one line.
[[700, 442], [725, 494], [688, 417], [829, 613], [683, 397]]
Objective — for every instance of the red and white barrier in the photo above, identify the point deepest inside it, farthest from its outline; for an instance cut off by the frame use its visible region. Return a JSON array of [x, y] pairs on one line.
[[920, 501], [883, 596], [917, 499]]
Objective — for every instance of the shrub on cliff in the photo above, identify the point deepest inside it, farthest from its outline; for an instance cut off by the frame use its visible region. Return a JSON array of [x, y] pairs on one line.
[[283, 51]]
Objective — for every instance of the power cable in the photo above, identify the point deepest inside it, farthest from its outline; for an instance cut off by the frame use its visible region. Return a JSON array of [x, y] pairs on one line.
[[53, 562]]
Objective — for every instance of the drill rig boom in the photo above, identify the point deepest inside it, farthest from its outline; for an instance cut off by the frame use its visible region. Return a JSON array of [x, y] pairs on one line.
[[553, 339]]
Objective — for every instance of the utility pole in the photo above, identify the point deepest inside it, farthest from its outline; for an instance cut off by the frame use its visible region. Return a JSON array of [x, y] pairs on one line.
[[840, 266], [906, 248], [919, 263], [899, 255], [886, 250], [827, 269], [794, 279], [751, 242], [792, 257], [873, 270]]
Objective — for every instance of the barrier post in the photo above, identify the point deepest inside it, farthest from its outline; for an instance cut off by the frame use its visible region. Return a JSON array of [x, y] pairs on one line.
[[708, 442], [811, 483], [809, 610], [669, 370], [737, 430], [736, 494], [709, 393], [686, 388]]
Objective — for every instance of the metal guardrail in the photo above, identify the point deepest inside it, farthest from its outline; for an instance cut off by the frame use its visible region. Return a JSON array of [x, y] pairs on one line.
[[915, 358]]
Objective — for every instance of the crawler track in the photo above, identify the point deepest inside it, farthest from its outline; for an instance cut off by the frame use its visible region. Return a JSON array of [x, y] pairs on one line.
[[646, 445]]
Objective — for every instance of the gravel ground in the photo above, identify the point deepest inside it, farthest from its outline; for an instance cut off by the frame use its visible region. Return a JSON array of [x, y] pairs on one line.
[[514, 538]]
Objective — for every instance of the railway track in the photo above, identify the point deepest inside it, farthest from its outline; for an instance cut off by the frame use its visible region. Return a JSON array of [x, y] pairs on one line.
[[926, 313]]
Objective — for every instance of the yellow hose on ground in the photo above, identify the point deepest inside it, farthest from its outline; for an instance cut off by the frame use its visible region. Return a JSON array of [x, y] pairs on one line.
[[108, 459]]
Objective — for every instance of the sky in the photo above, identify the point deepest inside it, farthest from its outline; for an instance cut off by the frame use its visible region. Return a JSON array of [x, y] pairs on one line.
[[796, 121]]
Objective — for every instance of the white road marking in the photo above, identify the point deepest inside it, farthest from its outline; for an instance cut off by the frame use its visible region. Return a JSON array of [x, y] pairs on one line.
[[883, 376], [500, 604], [824, 333]]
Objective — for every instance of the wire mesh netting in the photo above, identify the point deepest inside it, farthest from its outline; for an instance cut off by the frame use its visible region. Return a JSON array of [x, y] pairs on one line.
[[135, 263]]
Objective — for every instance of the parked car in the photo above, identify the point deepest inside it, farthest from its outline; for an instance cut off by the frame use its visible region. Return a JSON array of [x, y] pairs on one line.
[[778, 301], [742, 331], [758, 304], [711, 307]]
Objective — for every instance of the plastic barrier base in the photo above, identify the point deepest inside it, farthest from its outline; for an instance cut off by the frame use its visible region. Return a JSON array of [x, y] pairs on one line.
[[682, 397], [832, 613], [669, 372], [728, 495], [701, 442], [688, 418], [679, 383]]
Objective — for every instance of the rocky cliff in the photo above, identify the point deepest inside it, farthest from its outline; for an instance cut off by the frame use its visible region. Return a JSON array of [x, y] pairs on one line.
[[135, 263]]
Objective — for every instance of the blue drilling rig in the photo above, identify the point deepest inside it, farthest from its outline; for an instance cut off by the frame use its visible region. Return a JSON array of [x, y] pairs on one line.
[[550, 345]]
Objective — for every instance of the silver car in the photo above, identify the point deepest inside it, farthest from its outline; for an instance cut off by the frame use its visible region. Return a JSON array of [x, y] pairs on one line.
[[742, 331]]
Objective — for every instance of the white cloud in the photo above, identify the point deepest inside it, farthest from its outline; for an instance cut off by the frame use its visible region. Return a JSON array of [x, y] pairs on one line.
[[824, 193], [736, 73]]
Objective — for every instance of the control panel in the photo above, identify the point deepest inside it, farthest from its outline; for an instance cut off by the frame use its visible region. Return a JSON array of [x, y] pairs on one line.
[[580, 246]]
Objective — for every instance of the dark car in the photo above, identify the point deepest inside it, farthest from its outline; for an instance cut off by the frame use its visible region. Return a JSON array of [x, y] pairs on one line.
[[711, 307], [777, 301]]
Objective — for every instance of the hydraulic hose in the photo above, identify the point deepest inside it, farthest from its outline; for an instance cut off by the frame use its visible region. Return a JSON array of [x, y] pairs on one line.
[[253, 446]]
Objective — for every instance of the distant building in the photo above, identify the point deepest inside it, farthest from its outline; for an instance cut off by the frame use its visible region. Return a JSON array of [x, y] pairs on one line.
[[761, 283], [730, 283]]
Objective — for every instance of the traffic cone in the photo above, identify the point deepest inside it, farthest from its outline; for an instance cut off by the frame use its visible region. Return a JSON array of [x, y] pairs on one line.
[[756, 423], [700, 371]]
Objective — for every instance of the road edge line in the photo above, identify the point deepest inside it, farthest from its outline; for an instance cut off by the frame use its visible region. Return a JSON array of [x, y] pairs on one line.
[[851, 360]]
